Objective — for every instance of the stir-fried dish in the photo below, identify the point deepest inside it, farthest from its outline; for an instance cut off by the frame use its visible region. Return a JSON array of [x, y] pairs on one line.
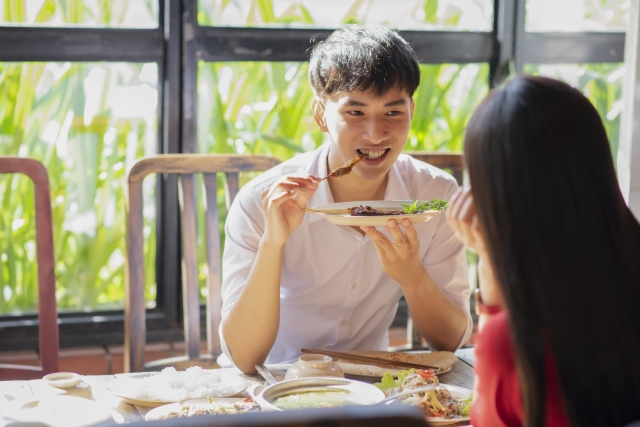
[[213, 408], [434, 403], [416, 207]]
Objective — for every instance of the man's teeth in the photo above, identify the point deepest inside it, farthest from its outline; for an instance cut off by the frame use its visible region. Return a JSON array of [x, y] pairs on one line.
[[373, 154]]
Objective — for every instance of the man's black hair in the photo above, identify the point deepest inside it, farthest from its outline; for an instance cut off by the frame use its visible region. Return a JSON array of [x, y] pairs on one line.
[[364, 57]]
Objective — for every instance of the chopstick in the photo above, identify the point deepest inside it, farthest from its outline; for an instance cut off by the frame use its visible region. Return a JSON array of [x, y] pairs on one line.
[[368, 359], [327, 211], [264, 372]]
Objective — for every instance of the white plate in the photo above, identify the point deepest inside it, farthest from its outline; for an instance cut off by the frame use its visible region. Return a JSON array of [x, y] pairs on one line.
[[376, 221], [124, 387], [394, 372], [59, 411], [349, 369], [456, 392], [161, 411]]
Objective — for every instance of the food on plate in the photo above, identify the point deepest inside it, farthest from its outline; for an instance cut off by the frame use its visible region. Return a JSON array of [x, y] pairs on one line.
[[170, 385], [425, 206], [240, 407], [346, 168], [416, 207], [443, 360], [436, 403], [318, 399]]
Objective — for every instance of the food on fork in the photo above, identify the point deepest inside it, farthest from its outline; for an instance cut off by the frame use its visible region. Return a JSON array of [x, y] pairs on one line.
[[346, 168]]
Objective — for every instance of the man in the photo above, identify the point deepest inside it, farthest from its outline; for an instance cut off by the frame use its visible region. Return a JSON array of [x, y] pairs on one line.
[[293, 280]]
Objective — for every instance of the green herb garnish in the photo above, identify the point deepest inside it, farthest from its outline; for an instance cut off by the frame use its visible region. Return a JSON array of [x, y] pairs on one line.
[[424, 206], [387, 382], [465, 406]]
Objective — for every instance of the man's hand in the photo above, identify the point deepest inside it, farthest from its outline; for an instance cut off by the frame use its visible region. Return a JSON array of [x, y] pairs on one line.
[[283, 205], [400, 257]]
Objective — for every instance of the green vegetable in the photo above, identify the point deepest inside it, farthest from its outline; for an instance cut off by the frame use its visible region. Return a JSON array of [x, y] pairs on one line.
[[421, 206], [387, 382], [465, 406]]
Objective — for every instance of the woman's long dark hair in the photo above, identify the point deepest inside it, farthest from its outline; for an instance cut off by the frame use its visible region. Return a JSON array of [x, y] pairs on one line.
[[565, 247]]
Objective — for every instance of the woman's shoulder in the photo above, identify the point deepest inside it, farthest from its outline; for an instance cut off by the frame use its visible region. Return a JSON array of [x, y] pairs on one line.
[[493, 343]]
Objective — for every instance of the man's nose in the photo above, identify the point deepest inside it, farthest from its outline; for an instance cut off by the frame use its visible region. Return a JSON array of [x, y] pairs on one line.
[[375, 131]]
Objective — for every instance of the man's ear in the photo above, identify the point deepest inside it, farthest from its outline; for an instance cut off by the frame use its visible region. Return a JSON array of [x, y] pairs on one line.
[[412, 107], [317, 106]]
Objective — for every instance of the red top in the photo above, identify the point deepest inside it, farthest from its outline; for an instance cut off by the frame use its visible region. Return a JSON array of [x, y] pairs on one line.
[[497, 401]]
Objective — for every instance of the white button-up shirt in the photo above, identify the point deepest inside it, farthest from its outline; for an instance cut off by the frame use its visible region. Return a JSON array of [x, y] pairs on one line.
[[334, 293]]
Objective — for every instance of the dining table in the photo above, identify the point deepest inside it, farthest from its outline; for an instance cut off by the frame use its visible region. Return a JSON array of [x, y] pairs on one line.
[[94, 387]]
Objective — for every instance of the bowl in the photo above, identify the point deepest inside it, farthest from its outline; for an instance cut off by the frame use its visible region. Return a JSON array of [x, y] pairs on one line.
[[317, 393], [314, 365], [62, 379]]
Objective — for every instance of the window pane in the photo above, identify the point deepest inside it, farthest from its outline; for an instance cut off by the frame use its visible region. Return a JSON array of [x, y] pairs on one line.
[[577, 15], [461, 15], [601, 83], [264, 108], [87, 122], [86, 13]]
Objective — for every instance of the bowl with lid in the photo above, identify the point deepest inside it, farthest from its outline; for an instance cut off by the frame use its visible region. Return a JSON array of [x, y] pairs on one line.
[[314, 365]]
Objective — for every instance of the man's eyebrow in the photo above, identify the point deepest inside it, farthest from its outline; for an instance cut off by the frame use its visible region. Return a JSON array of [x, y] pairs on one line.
[[354, 103], [397, 102]]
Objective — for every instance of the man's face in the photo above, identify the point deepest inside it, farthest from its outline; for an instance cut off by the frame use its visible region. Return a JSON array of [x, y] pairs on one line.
[[360, 122]]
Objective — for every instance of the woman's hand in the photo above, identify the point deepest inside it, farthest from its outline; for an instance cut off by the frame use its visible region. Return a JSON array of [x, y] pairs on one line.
[[400, 257], [284, 204], [463, 220]]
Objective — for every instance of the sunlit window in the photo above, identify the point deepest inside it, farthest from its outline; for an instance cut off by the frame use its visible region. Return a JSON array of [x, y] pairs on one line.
[[457, 15], [85, 13], [577, 15], [88, 123]]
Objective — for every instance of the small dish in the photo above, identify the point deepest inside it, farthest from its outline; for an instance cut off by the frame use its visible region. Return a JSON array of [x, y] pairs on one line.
[[314, 365], [62, 379]]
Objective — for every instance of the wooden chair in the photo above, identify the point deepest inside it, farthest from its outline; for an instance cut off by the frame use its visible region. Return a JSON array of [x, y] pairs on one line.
[[47, 310], [451, 162], [454, 164], [185, 165]]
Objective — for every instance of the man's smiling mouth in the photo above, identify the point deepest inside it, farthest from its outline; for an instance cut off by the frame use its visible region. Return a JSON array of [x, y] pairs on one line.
[[373, 154]]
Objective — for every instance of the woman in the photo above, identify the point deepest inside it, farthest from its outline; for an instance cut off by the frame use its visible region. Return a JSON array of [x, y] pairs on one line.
[[560, 254]]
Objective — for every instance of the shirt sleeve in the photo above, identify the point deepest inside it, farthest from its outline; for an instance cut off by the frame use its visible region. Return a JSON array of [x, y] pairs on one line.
[[244, 228], [446, 262]]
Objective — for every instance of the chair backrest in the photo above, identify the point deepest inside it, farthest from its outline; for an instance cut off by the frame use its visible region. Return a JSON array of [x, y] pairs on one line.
[[47, 310], [452, 162], [186, 165]]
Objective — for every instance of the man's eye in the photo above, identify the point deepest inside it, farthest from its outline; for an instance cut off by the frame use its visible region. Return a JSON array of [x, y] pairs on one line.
[[393, 113], [354, 113]]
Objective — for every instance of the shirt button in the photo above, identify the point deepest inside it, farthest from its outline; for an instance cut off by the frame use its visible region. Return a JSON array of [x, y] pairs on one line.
[[354, 285], [343, 321]]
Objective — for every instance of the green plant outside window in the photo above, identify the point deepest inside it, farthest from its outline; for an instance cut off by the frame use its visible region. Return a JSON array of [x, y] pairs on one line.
[[87, 122], [425, 15], [601, 83], [86, 13]]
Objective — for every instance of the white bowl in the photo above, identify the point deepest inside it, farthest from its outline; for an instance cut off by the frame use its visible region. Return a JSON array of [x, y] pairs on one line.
[[359, 392]]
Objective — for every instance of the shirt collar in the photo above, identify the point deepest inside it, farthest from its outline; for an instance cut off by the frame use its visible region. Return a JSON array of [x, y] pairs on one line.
[[396, 187]]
